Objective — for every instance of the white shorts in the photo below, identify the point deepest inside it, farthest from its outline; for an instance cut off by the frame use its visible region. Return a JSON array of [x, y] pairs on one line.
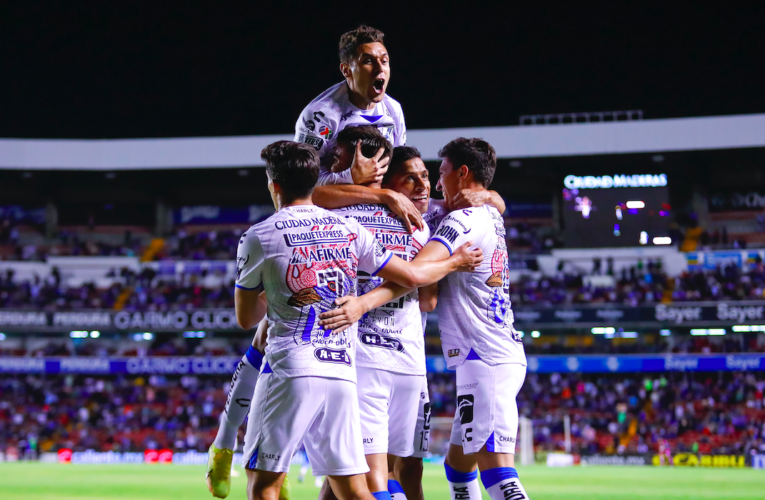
[[388, 405], [487, 412], [322, 413], [422, 429]]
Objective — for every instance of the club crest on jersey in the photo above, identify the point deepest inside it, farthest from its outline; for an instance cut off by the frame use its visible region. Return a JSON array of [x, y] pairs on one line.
[[325, 132]]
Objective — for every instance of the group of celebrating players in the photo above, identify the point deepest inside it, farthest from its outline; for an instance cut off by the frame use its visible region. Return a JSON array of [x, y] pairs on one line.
[[339, 282]]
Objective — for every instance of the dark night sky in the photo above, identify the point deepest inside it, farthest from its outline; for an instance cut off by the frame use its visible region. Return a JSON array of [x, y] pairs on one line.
[[124, 69]]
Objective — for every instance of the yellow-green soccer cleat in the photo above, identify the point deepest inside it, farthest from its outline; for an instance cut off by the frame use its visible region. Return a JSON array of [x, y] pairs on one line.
[[219, 471], [284, 494]]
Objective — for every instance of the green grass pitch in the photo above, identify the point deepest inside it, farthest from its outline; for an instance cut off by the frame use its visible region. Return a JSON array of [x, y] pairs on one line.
[[33, 481]]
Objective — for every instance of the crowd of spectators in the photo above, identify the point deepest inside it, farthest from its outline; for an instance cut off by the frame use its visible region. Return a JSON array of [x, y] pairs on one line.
[[717, 413], [640, 285], [142, 291], [211, 289], [202, 245]]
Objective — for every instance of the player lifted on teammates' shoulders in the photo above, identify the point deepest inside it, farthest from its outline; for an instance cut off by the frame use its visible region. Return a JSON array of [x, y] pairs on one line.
[[359, 100], [306, 258], [477, 334]]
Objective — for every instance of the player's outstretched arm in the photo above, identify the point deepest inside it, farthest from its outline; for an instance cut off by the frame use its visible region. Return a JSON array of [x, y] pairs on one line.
[[477, 198], [344, 195], [250, 306], [401, 278]]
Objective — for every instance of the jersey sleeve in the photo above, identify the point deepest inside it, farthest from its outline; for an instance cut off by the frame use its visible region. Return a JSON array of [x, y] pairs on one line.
[[373, 256], [453, 230], [317, 126], [249, 261], [326, 176]]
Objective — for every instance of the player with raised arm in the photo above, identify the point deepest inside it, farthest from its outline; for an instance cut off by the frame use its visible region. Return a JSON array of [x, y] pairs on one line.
[[359, 100], [305, 258], [477, 334]]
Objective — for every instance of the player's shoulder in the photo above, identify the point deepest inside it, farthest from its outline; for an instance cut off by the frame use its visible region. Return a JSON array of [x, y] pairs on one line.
[[330, 103], [393, 104]]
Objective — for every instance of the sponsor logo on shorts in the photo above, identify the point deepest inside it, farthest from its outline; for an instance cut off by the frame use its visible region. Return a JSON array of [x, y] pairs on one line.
[[453, 353], [506, 439], [368, 440], [327, 355], [270, 456], [465, 404], [467, 386], [375, 340]]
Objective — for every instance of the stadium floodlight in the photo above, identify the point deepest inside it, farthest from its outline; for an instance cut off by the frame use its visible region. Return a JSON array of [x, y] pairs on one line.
[[194, 335], [662, 240], [535, 334], [78, 334], [717, 331], [95, 334], [643, 238], [629, 335], [520, 333], [665, 333], [2, 337], [600, 330], [635, 204]]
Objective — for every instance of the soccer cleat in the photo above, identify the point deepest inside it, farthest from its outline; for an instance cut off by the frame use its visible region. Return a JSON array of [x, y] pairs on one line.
[[219, 471]]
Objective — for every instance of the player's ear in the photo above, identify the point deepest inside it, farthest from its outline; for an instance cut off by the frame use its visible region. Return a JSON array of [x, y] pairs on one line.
[[345, 69]]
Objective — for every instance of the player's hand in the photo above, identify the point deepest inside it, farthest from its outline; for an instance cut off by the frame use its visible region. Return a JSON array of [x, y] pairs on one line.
[[406, 211], [467, 198], [368, 170], [348, 313], [467, 260]]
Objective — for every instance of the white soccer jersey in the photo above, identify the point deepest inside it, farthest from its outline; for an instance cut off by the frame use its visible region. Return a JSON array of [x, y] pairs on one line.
[[306, 257], [474, 308], [331, 112], [391, 336], [435, 214]]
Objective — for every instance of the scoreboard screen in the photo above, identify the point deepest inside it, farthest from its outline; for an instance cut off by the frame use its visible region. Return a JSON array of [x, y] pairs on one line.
[[616, 211]]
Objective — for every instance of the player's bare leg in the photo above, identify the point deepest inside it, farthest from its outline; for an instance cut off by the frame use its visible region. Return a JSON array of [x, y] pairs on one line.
[[350, 487], [377, 477], [264, 485], [408, 472]]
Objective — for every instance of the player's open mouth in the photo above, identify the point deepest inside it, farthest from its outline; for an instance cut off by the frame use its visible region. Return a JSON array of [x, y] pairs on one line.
[[379, 85]]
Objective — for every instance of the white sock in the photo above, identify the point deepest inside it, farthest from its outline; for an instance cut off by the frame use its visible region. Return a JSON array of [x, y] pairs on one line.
[[502, 483], [239, 398], [395, 490], [463, 485]]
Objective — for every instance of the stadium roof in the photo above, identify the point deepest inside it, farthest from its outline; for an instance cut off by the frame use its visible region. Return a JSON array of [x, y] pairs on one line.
[[645, 136]]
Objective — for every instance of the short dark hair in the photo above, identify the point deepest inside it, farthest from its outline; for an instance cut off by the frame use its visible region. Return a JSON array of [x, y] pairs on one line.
[[294, 165], [350, 41], [477, 154], [401, 155], [371, 140]]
